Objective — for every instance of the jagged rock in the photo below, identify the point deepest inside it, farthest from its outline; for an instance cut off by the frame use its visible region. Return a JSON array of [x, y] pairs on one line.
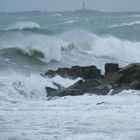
[[81, 87], [130, 73], [87, 72], [74, 72], [96, 87], [111, 68], [68, 91], [125, 75], [50, 91], [115, 80]]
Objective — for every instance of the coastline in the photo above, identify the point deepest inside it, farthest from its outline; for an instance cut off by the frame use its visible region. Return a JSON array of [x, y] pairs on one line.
[[114, 81]]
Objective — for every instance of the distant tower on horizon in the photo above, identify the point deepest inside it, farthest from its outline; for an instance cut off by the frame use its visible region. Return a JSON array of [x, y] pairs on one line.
[[83, 6]]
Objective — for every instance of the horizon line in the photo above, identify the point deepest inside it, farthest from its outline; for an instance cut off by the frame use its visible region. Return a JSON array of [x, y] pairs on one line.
[[49, 11]]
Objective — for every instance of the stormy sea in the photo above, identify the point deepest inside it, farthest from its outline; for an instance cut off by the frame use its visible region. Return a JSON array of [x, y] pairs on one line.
[[33, 42]]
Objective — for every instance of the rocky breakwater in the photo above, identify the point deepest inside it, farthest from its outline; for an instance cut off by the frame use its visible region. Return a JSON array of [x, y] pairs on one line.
[[112, 82]]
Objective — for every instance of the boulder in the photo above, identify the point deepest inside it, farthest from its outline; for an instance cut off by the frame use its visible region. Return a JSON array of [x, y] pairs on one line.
[[125, 75], [115, 80], [135, 85], [76, 89], [81, 87], [87, 72], [130, 73], [50, 91], [111, 68]]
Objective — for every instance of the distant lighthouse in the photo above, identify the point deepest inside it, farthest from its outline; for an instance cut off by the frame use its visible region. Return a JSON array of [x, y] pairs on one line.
[[83, 6]]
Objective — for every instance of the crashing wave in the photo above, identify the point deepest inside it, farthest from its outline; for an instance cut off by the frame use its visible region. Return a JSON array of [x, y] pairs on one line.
[[42, 46], [103, 46], [24, 25], [15, 87], [81, 44]]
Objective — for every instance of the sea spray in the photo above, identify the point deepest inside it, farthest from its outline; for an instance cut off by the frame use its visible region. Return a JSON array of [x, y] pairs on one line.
[[18, 87], [74, 42], [49, 46]]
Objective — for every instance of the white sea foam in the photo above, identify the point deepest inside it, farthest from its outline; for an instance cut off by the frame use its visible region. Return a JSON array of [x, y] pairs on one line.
[[127, 24], [68, 118], [17, 87], [69, 22], [55, 15], [49, 46], [63, 82], [81, 41], [104, 46], [113, 47], [23, 25]]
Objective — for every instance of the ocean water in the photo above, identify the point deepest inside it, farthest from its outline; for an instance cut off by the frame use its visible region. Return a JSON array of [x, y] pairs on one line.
[[31, 43]]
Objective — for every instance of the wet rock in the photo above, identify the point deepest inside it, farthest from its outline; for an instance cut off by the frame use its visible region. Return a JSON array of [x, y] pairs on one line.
[[50, 91], [81, 87], [74, 72], [113, 78], [130, 73], [101, 103], [119, 88], [125, 75], [135, 85], [114, 81], [111, 68], [87, 72]]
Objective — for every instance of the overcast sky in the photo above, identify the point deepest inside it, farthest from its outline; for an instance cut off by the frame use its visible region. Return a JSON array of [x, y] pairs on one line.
[[57, 5]]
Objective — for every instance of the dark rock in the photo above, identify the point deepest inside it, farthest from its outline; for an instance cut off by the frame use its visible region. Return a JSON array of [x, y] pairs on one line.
[[130, 73], [50, 73], [115, 80], [135, 85], [125, 75], [71, 91], [96, 87], [81, 87], [74, 72], [100, 103], [111, 68], [103, 103], [50, 91]]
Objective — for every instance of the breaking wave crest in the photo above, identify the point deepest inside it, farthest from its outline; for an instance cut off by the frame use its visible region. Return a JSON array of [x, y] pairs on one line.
[[44, 47], [127, 24], [18, 53], [55, 47], [103, 46], [24, 25]]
